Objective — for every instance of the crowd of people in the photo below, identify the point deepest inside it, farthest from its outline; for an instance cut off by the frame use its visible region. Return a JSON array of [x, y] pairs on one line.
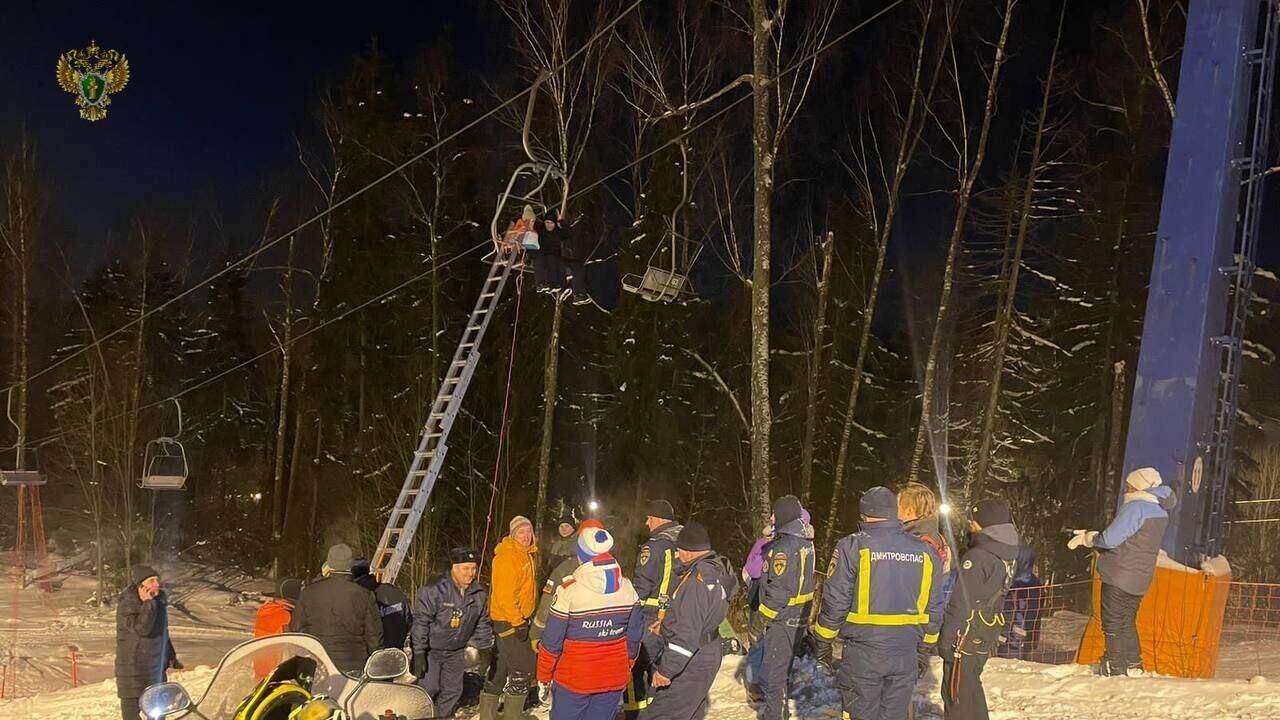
[[597, 643]]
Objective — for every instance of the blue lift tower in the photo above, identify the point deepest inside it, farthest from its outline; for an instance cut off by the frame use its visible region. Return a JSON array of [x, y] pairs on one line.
[[1185, 399]]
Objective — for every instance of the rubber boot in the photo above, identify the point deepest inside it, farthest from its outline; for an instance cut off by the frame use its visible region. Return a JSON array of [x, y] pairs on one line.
[[513, 707], [489, 706]]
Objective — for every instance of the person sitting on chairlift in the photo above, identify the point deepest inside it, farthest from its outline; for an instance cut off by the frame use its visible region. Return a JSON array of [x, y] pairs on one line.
[[552, 272]]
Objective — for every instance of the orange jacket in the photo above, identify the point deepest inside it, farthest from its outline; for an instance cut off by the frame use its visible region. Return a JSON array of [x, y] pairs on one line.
[[514, 596], [273, 617]]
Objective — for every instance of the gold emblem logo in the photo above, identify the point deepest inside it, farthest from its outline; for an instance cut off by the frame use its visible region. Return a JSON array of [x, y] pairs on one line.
[[93, 75], [779, 563]]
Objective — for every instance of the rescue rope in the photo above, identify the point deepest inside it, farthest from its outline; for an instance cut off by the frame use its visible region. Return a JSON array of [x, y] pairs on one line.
[[503, 426]]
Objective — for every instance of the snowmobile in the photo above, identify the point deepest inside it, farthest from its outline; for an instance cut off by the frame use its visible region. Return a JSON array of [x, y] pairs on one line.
[[300, 683]]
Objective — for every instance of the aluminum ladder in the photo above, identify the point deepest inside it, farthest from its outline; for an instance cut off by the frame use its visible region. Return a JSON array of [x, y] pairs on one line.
[[429, 458], [1252, 168]]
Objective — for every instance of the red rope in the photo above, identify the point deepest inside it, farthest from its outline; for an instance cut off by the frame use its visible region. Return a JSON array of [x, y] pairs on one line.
[[506, 407]]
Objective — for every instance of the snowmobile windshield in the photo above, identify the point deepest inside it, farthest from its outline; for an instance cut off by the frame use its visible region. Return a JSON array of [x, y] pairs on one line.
[[292, 658]]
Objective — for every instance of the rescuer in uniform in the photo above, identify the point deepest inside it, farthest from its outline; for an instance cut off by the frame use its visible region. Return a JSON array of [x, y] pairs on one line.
[[786, 591], [451, 612], [973, 620], [882, 597], [654, 581], [689, 630]]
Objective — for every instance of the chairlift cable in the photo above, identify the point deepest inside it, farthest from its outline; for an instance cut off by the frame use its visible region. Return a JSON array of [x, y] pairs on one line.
[[266, 353], [261, 249]]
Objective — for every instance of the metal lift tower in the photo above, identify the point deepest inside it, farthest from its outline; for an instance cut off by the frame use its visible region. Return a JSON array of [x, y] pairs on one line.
[[1186, 393]]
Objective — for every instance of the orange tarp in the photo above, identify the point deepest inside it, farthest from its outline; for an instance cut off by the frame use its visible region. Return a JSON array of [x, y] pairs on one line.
[[1179, 623]]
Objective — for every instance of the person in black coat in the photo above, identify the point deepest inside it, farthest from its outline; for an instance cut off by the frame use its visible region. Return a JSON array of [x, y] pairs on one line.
[[144, 651], [973, 620], [393, 605], [340, 614]]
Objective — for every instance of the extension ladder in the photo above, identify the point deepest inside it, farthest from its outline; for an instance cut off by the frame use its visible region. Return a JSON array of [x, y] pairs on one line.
[[428, 459]]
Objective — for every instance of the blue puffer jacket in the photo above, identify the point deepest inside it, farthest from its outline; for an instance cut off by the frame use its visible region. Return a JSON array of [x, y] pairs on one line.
[[883, 589], [1130, 544]]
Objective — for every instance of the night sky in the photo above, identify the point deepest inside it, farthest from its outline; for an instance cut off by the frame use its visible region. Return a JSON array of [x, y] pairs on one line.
[[216, 95]]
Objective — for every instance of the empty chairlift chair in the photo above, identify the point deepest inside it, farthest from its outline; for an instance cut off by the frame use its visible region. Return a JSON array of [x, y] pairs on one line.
[[666, 279], [164, 465], [164, 461], [21, 478]]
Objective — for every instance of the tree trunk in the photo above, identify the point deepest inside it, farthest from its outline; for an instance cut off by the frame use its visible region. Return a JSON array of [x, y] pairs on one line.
[[550, 388], [827, 246], [762, 147], [1112, 480], [913, 129], [1010, 290], [282, 420], [125, 469], [963, 196]]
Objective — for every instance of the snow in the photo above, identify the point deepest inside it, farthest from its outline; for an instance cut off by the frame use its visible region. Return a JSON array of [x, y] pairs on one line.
[[1016, 690], [213, 611]]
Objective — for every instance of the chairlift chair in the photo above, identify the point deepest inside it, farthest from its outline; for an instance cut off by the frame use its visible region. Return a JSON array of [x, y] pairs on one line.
[[164, 461], [666, 282], [164, 465], [538, 172], [21, 478]]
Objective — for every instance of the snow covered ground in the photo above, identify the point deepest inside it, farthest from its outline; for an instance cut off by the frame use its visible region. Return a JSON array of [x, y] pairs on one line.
[[213, 611], [210, 611], [1015, 690]]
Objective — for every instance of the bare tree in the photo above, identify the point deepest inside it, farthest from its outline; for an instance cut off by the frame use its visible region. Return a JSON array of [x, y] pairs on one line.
[[970, 157], [18, 230], [824, 258], [1011, 270], [545, 38], [873, 181]]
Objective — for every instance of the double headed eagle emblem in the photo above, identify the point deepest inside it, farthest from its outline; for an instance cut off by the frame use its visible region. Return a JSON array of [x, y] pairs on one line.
[[93, 75]]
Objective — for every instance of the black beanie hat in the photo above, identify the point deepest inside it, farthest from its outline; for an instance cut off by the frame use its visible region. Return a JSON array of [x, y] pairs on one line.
[[879, 502], [661, 509], [141, 573], [786, 509], [693, 538], [460, 555], [992, 511], [290, 588]]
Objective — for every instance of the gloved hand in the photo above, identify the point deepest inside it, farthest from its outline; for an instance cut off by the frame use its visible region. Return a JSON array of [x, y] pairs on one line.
[[419, 665], [823, 652], [1081, 538], [544, 692]]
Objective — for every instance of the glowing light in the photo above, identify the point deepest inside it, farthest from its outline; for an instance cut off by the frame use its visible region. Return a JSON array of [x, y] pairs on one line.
[[593, 506], [945, 508], [256, 496]]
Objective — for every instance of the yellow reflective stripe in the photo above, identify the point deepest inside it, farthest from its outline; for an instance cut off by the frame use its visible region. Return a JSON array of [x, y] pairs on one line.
[[765, 611], [651, 602], [666, 573], [930, 638], [824, 633], [804, 552], [922, 602], [864, 583], [877, 619], [800, 599]]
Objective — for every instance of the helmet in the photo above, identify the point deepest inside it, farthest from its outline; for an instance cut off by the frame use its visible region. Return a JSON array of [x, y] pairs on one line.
[[319, 708], [274, 702]]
